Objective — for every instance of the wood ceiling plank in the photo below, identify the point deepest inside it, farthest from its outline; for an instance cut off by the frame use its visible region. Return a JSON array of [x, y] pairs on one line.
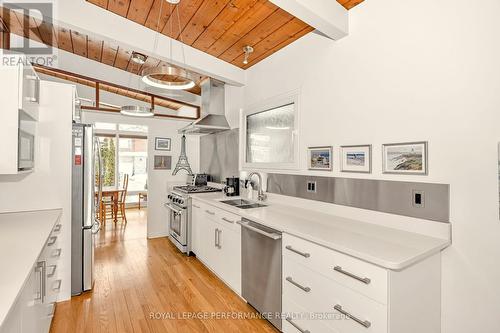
[[64, 41], [119, 7], [109, 52], [12, 22], [79, 43], [186, 10], [94, 48], [158, 15], [139, 10], [100, 3], [259, 33], [228, 17], [281, 35], [255, 59], [349, 4], [122, 58], [245, 24], [207, 12], [46, 31]]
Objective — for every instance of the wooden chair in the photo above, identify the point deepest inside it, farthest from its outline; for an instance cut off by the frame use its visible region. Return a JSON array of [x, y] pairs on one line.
[[142, 196], [109, 208]]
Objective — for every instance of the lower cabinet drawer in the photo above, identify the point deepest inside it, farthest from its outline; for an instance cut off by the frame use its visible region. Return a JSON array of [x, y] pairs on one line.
[[348, 311], [365, 278], [297, 320]]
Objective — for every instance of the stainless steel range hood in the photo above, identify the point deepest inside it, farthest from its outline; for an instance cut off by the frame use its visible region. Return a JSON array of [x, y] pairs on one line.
[[213, 118]]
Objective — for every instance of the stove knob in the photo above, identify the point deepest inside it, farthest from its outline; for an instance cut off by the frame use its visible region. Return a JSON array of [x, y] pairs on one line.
[[169, 197], [181, 201], [177, 200]]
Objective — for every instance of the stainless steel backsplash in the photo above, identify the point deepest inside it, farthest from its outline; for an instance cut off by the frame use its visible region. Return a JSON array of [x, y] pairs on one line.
[[219, 154], [395, 197]]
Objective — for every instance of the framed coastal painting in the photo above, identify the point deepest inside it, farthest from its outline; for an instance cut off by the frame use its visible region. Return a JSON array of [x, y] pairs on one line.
[[162, 144], [320, 158], [356, 158], [405, 158]]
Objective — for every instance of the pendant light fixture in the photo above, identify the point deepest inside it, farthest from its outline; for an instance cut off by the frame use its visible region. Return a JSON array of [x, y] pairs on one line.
[[168, 76], [135, 110]]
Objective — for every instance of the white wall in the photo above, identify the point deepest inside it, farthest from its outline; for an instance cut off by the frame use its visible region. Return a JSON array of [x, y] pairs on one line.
[[49, 186], [413, 70], [158, 180]]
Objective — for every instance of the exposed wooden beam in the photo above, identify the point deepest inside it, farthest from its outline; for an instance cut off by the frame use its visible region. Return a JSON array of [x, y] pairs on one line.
[[327, 16]]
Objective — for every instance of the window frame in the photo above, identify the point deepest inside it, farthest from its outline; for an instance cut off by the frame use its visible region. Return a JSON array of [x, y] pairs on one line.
[[292, 97], [117, 134]]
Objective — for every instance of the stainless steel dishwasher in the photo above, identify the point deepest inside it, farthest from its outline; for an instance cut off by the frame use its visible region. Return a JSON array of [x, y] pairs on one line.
[[261, 269]]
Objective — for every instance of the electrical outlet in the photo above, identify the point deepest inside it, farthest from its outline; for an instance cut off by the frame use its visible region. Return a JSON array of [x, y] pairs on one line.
[[418, 199], [311, 186]]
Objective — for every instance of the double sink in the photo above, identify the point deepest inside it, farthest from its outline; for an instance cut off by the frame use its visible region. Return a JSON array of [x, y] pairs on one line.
[[243, 204]]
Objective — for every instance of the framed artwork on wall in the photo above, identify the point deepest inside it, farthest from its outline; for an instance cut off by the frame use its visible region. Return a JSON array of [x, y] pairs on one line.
[[162, 162], [319, 158], [163, 144], [356, 158], [405, 158]]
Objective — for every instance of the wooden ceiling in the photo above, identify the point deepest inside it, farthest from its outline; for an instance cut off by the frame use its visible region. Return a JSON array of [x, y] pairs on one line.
[[219, 27], [80, 44]]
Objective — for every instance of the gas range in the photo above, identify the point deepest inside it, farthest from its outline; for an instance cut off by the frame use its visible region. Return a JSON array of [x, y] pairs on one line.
[[188, 189]]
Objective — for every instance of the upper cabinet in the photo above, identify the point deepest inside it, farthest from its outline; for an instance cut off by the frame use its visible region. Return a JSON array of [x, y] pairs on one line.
[[20, 100], [269, 136]]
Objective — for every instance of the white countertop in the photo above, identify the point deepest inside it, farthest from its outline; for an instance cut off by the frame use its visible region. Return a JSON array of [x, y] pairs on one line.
[[22, 238], [386, 247]]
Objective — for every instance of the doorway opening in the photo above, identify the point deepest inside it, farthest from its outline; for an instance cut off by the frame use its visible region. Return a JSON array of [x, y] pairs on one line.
[[124, 151]]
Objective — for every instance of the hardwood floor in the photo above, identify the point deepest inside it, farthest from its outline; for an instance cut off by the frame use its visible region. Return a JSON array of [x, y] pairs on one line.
[[148, 286]]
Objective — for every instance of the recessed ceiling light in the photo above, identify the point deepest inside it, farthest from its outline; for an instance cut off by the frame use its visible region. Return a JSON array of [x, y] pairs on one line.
[[138, 58], [174, 2]]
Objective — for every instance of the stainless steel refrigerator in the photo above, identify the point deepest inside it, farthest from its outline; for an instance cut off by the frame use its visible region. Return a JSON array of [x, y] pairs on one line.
[[87, 166]]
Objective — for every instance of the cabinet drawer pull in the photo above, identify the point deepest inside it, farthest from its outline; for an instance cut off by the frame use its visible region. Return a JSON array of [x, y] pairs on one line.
[[56, 253], [364, 323], [306, 289], [304, 254], [58, 285], [227, 220], [195, 206], [360, 279], [58, 227], [52, 240], [209, 212], [53, 272], [300, 329], [219, 232]]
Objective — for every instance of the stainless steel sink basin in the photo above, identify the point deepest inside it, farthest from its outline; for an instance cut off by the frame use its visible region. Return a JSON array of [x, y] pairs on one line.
[[237, 202], [253, 205], [243, 204]]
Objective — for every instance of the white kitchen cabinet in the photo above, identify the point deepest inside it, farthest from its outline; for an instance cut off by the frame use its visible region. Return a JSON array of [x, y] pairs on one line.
[[20, 100], [217, 242], [358, 296], [34, 308]]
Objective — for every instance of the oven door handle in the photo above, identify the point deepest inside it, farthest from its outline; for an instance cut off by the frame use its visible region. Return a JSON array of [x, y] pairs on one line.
[[172, 208]]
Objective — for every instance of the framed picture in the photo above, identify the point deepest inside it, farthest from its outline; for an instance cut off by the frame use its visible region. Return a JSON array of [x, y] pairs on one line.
[[405, 158], [162, 144], [356, 158], [320, 158], [162, 162]]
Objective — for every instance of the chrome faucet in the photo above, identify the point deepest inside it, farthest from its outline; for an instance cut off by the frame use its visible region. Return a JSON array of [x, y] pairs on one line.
[[261, 195]]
